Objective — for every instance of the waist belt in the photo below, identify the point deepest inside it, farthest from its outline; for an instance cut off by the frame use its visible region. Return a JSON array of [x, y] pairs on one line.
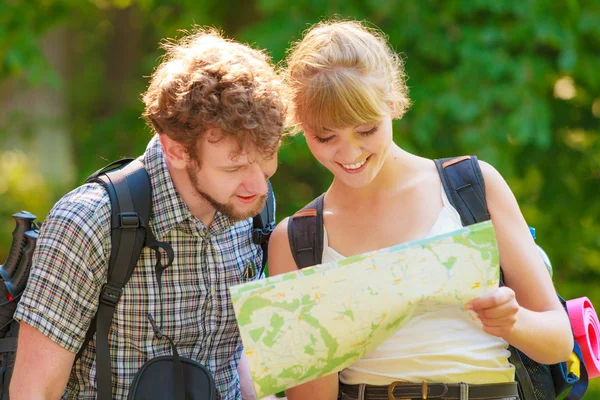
[[425, 390]]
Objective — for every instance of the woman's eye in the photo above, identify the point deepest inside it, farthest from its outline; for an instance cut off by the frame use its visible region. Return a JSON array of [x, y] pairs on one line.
[[323, 140]]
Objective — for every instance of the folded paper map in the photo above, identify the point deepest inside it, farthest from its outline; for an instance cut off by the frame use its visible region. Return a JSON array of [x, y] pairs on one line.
[[302, 325]]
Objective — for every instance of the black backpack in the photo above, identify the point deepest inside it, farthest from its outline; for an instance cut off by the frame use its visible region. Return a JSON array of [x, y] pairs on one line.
[[463, 183], [128, 186]]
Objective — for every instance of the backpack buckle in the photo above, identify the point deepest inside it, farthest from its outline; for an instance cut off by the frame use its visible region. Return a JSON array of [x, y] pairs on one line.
[[110, 294], [260, 236], [129, 220]]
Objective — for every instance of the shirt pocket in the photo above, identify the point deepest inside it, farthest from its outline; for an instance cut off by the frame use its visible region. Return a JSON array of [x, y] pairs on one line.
[[249, 266]]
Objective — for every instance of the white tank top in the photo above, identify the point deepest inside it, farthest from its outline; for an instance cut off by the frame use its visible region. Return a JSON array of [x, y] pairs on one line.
[[446, 346]]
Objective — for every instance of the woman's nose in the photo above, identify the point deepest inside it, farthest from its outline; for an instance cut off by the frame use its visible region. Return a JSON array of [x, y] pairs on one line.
[[350, 151]]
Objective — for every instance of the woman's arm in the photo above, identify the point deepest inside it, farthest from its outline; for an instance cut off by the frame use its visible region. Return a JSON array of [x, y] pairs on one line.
[[527, 312], [281, 260]]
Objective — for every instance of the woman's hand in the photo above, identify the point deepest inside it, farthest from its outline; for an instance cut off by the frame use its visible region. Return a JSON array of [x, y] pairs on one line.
[[498, 311]]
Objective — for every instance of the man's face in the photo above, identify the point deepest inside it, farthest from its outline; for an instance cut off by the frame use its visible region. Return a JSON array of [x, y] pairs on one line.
[[233, 182]]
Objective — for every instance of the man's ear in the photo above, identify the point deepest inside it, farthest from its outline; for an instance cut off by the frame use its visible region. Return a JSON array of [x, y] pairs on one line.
[[174, 152]]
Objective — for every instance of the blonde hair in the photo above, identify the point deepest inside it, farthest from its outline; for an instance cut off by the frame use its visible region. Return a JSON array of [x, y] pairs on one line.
[[344, 73], [207, 81]]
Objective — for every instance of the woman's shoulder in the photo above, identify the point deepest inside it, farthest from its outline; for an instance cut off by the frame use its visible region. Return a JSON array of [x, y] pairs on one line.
[[280, 254], [497, 190], [489, 171], [280, 233]]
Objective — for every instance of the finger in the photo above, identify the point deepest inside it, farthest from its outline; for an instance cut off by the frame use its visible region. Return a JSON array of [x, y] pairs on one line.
[[499, 322], [495, 299], [505, 310]]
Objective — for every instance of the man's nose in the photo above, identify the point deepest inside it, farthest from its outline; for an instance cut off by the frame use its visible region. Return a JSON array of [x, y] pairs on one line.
[[256, 180]]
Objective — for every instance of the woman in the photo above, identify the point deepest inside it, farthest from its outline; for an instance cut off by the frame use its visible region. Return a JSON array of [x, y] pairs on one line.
[[346, 86]]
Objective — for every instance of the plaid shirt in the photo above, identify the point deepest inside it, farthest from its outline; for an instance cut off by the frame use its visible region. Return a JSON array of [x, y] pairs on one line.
[[70, 266]]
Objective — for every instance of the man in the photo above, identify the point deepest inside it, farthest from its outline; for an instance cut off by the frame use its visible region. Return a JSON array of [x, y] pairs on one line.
[[218, 112]]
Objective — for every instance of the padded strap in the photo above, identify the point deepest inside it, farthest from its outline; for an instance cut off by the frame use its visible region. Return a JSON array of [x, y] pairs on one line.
[[305, 234], [130, 196], [465, 188], [8, 345]]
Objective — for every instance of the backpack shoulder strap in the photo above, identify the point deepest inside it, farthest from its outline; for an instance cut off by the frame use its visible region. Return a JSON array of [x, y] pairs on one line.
[[305, 234], [263, 225], [129, 189], [465, 188]]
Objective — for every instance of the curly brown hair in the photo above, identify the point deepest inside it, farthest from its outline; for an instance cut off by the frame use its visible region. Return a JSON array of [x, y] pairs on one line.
[[207, 82]]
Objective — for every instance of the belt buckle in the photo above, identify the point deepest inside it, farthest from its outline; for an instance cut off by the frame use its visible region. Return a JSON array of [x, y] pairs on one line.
[[424, 390]]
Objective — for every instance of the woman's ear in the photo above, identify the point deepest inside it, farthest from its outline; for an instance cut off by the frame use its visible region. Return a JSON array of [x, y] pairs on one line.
[[393, 107], [174, 151]]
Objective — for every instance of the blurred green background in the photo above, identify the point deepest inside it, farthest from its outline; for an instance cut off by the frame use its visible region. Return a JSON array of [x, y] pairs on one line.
[[515, 82]]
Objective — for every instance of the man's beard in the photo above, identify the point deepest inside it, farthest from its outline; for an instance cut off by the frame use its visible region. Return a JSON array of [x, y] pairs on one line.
[[227, 209]]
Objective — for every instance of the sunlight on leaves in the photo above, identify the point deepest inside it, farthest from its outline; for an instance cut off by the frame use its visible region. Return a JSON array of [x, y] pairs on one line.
[[564, 88]]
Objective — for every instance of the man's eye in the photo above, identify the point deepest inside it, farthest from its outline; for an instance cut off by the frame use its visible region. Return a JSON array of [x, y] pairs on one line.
[[323, 140]]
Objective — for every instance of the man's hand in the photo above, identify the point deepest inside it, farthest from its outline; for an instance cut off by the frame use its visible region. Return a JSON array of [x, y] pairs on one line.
[[497, 311]]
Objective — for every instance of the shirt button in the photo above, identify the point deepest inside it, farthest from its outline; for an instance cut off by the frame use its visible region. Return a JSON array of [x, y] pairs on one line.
[[208, 340], [213, 292]]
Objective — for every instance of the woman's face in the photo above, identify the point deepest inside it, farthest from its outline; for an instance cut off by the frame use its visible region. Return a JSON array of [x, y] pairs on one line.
[[354, 155]]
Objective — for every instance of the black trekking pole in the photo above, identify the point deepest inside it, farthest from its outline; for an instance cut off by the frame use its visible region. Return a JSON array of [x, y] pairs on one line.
[[15, 271]]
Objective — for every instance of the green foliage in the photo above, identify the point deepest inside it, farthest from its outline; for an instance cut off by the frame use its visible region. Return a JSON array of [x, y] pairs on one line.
[[514, 82], [21, 26]]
